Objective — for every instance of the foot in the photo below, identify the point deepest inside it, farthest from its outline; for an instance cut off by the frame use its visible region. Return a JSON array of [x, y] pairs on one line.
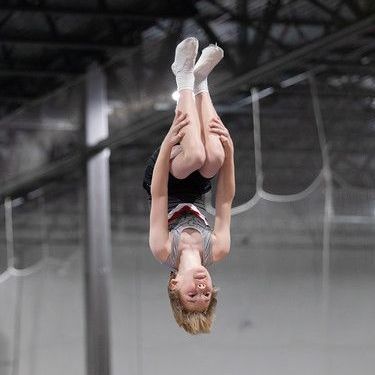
[[183, 66], [209, 58]]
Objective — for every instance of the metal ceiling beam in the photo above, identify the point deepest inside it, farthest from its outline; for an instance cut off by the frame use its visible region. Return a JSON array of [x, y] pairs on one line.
[[263, 31], [354, 6], [255, 23], [6, 19], [26, 72], [335, 17], [348, 67], [299, 55], [214, 38], [156, 120], [251, 21], [15, 99], [133, 16], [62, 44], [90, 12]]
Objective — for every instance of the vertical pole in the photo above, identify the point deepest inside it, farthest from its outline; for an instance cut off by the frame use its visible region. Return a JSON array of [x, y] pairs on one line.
[[9, 237], [257, 140], [97, 214], [328, 205]]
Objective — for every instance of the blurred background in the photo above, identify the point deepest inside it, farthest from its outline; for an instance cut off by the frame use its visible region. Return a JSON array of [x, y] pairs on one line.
[[296, 89]]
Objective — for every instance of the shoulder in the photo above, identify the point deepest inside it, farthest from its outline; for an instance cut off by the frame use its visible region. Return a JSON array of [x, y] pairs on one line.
[[161, 253]]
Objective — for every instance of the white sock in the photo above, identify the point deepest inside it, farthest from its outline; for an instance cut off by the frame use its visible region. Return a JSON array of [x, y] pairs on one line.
[[183, 66], [209, 58]]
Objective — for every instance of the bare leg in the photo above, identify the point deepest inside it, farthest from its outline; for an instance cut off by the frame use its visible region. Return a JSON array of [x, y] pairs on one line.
[[213, 147], [192, 156]]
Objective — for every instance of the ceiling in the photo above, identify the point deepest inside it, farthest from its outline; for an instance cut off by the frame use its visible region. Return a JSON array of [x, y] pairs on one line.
[[46, 46], [46, 43]]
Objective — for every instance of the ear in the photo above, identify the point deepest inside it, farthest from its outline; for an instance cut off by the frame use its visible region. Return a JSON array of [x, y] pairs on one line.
[[173, 284]]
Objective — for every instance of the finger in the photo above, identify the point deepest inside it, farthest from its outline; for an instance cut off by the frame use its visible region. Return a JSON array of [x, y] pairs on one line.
[[181, 124], [218, 120], [223, 130], [218, 124], [179, 116], [219, 131], [183, 117], [224, 141], [177, 138]]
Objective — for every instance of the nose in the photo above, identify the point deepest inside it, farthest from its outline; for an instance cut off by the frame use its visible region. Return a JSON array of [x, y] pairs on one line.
[[201, 286]]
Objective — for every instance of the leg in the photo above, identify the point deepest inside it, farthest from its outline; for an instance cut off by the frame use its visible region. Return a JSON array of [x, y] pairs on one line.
[[213, 147], [192, 155]]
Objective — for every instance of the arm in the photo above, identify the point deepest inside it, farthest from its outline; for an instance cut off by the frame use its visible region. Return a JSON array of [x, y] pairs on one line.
[[159, 235], [224, 195]]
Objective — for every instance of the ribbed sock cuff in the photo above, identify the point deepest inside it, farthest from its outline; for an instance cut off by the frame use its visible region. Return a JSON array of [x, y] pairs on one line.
[[201, 86], [185, 81]]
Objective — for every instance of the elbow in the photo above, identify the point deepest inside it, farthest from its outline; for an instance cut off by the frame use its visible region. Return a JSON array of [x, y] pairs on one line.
[[232, 190], [231, 195], [221, 253], [225, 252], [156, 250]]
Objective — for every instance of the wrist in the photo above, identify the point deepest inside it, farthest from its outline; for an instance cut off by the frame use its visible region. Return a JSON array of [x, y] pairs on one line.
[[165, 147], [229, 157]]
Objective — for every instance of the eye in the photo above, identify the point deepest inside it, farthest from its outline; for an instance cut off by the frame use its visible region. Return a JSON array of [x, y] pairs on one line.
[[207, 294], [192, 294]]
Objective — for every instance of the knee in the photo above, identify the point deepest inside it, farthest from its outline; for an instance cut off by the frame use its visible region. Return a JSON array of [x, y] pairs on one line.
[[214, 161], [196, 158], [215, 157]]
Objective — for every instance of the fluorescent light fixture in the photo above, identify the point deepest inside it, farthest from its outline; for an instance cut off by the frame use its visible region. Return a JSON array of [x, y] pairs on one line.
[[293, 80]]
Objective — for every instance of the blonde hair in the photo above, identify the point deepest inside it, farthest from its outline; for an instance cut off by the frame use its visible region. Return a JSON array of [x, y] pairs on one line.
[[193, 322]]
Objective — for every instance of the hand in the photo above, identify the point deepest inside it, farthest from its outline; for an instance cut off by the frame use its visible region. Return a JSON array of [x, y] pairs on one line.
[[216, 126], [175, 133]]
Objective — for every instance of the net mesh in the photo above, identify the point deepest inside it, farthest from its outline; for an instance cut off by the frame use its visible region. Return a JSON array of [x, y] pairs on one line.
[[320, 213]]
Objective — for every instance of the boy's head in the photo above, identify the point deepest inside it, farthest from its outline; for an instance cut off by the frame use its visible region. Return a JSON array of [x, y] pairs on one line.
[[193, 299]]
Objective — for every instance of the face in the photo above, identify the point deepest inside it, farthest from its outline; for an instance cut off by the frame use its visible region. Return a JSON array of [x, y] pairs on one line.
[[195, 288]]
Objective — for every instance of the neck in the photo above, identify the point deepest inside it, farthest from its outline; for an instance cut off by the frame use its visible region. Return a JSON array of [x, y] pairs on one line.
[[189, 258]]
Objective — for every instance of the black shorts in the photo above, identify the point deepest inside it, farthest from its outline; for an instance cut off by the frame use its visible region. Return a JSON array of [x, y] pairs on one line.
[[188, 190]]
